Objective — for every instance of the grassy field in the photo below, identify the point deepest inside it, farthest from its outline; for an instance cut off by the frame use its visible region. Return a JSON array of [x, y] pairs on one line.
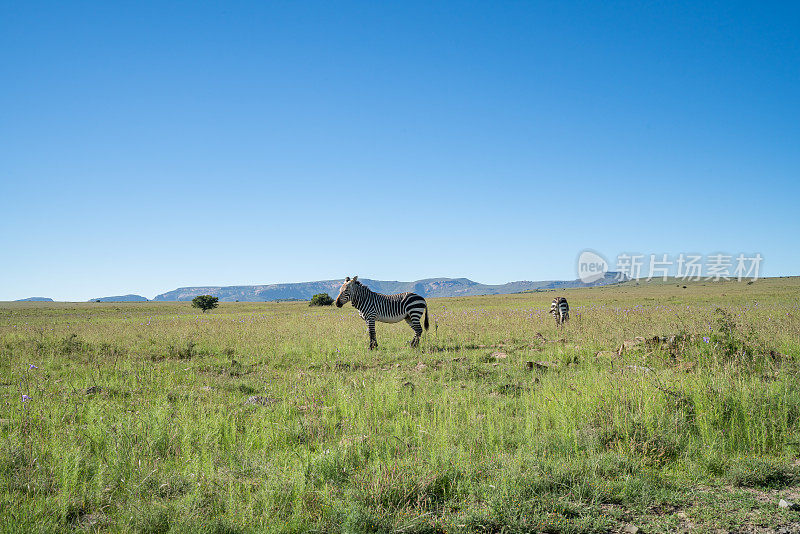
[[261, 417]]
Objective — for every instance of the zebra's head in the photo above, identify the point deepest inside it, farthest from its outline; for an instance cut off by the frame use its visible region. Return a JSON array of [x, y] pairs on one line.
[[345, 291]]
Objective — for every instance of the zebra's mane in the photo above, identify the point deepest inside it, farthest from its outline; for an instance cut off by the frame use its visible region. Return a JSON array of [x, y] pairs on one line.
[[359, 294]]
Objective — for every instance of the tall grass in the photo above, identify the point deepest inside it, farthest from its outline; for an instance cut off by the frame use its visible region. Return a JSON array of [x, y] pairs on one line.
[[275, 417]]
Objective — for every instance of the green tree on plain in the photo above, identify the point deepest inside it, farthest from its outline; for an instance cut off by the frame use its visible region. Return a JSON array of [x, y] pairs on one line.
[[205, 302], [321, 299]]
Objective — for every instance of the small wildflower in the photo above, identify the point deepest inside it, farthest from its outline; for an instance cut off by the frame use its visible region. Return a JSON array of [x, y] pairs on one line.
[[33, 366], [25, 398], [706, 339]]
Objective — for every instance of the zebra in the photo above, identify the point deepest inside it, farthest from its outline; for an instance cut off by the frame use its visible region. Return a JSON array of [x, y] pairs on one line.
[[560, 310], [384, 308]]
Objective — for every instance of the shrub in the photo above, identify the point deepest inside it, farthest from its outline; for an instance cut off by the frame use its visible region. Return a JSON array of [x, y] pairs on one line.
[[321, 299], [205, 302], [733, 342]]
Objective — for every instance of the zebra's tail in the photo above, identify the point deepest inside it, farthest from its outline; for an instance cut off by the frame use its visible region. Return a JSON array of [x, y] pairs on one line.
[[426, 316]]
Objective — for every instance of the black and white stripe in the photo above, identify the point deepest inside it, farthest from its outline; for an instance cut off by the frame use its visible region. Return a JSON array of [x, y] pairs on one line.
[[384, 308], [560, 310]]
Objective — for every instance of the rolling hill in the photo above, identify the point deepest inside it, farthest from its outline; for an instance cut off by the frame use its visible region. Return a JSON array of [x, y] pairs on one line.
[[121, 298], [430, 287]]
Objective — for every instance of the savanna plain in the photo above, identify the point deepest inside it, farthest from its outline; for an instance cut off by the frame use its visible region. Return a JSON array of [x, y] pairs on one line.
[[658, 407]]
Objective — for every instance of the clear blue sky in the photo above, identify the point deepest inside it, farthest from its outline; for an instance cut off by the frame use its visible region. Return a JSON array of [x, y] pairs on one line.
[[146, 146]]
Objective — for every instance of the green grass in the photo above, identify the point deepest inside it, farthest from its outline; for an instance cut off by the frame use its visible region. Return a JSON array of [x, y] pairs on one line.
[[138, 417]]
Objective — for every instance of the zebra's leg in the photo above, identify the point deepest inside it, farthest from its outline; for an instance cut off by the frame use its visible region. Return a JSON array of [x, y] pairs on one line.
[[373, 341], [414, 324]]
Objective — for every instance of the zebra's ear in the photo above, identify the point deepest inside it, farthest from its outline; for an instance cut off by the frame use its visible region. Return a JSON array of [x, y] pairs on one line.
[[355, 278], [347, 279]]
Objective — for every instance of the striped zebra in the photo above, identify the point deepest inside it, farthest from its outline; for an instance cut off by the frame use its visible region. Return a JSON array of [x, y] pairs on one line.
[[560, 310], [384, 308]]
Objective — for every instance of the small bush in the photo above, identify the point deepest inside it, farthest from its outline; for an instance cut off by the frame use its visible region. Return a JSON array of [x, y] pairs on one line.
[[321, 299]]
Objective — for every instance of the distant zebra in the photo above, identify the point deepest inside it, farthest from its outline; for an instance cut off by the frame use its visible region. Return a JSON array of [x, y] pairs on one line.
[[560, 310], [384, 308]]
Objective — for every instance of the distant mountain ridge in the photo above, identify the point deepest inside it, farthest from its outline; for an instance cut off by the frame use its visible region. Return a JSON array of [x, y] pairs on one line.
[[429, 287], [35, 299], [121, 298]]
